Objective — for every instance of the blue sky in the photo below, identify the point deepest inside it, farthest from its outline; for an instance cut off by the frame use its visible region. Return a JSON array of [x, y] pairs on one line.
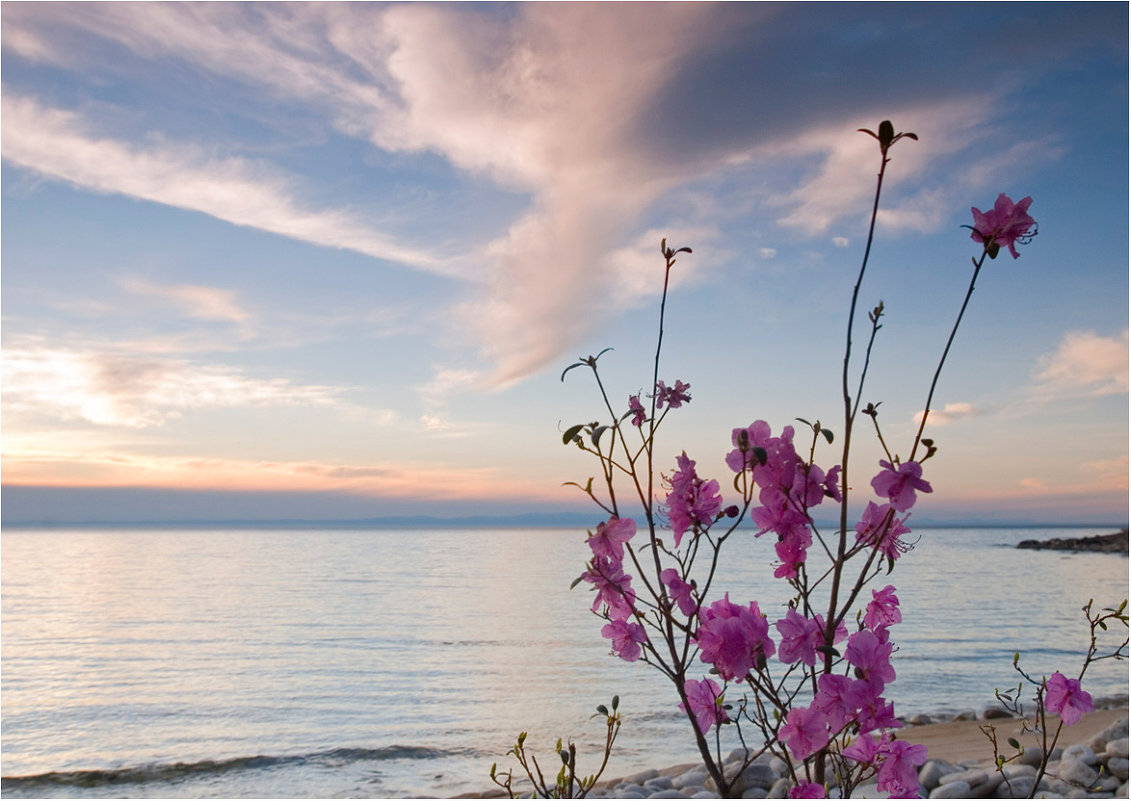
[[329, 260]]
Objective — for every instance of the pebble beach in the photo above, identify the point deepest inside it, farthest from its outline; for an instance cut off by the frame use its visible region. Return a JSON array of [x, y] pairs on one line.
[[1090, 761]]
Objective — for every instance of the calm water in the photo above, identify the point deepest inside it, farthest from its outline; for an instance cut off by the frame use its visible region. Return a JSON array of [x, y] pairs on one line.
[[398, 663]]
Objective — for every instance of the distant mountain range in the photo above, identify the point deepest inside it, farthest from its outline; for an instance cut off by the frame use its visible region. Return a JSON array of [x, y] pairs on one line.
[[580, 520]]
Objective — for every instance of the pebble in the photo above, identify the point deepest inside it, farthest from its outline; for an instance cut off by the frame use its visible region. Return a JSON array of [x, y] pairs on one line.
[[1097, 769]]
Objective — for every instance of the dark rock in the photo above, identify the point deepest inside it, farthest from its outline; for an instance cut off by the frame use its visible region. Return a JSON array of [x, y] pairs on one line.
[[1103, 543]]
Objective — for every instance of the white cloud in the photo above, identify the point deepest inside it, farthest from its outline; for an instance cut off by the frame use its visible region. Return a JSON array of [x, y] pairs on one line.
[[841, 241], [1085, 363], [56, 143], [950, 413], [767, 253], [115, 389]]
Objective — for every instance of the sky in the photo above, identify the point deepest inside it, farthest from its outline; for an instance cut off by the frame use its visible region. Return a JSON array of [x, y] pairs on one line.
[[329, 261]]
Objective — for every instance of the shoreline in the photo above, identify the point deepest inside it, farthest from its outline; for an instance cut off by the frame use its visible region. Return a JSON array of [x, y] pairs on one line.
[[959, 741]]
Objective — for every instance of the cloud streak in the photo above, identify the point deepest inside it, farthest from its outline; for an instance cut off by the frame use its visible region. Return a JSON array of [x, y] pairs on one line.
[[1085, 363], [56, 144]]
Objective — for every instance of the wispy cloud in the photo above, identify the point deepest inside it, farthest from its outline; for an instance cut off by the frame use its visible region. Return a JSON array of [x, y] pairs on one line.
[[196, 301], [1085, 363], [130, 391], [57, 144]]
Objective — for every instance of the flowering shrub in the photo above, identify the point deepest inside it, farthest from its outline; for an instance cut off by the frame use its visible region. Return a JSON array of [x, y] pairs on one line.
[[808, 676]]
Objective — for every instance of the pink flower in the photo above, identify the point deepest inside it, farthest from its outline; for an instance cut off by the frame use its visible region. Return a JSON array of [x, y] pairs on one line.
[[691, 501], [1064, 697], [799, 638], [900, 483], [679, 591], [609, 540], [839, 698], [626, 638], [875, 713], [880, 528], [733, 638], [805, 731], [898, 773], [1004, 225], [802, 636], [780, 460], [613, 587], [636, 409], [674, 397], [808, 790], [705, 699], [883, 610], [865, 748], [871, 656]]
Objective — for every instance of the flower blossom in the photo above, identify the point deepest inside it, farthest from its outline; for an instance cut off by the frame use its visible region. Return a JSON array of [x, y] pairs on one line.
[[613, 587], [805, 731], [1004, 225], [808, 790], [735, 639], [679, 591], [871, 656], [674, 397], [705, 699], [609, 540], [626, 638], [883, 610], [880, 528], [636, 409], [1064, 697], [692, 501], [839, 698], [899, 484], [802, 636], [898, 773]]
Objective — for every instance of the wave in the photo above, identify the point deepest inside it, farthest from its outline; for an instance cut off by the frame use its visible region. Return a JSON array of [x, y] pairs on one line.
[[171, 772]]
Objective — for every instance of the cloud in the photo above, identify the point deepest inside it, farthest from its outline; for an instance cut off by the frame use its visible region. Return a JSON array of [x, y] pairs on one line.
[[129, 391], [56, 143], [1085, 363], [948, 414], [199, 302], [767, 253], [594, 112]]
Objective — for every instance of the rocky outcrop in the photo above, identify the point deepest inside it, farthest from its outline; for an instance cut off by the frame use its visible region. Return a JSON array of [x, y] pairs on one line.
[[1103, 543]]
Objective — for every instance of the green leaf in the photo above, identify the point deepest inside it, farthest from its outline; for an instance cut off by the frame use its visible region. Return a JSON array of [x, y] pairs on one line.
[[597, 432], [1014, 744], [616, 702], [577, 581], [604, 710], [828, 435], [571, 432]]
